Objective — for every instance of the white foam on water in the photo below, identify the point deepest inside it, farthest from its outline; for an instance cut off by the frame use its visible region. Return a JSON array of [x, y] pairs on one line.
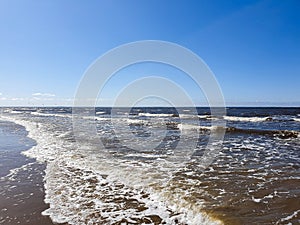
[[182, 126], [15, 171], [155, 114], [104, 195], [84, 188], [253, 119], [289, 217], [204, 116], [193, 127], [16, 112], [297, 119], [135, 121], [100, 113], [245, 119], [188, 116], [51, 114]]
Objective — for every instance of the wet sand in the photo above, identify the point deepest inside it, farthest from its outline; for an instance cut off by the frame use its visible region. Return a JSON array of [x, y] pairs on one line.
[[21, 191], [22, 198]]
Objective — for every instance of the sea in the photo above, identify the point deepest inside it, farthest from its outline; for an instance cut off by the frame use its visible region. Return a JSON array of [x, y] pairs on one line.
[[144, 165]]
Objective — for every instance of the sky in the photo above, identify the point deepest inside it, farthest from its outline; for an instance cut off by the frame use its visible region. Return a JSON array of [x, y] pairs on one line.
[[252, 47]]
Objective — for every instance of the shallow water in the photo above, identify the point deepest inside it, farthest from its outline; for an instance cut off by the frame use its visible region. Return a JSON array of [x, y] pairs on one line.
[[21, 179], [255, 179]]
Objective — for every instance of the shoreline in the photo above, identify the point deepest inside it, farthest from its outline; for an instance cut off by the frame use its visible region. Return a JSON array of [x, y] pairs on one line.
[[230, 191], [21, 179]]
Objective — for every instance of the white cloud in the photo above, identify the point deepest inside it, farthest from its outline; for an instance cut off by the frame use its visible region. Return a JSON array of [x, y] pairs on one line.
[[17, 99], [0, 93], [44, 94]]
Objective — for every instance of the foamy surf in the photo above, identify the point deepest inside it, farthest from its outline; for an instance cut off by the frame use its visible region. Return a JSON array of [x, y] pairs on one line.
[[246, 119], [256, 173], [81, 189]]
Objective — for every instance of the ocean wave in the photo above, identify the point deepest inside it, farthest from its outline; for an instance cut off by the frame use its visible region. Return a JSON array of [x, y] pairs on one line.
[[253, 119], [51, 114], [100, 112], [246, 119], [83, 189], [296, 119], [156, 114], [236, 118], [284, 134]]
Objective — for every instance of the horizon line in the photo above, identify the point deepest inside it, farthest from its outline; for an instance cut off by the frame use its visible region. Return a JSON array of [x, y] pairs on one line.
[[151, 106]]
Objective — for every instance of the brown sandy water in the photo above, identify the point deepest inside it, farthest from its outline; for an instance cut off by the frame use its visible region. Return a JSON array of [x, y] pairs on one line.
[[248, 202], [248, 186]]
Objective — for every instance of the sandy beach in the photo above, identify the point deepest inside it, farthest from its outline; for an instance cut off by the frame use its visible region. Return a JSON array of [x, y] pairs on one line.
[[21, 179]]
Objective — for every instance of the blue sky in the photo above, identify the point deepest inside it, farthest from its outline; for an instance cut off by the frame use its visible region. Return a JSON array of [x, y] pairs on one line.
[[253, 47]]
